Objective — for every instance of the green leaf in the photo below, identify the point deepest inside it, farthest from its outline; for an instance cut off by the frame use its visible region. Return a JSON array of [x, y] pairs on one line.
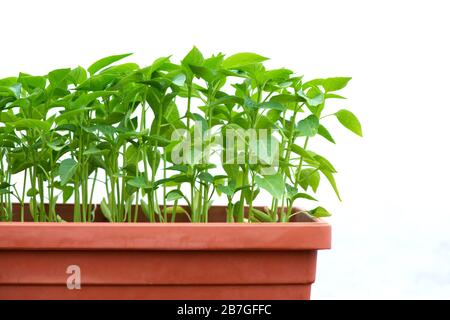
[[13, 90], [55, 146], [325, 133], [93, 151], [309, 177], [206, 177], [32, 82], [85, 99], [267, 121], [242, 59], [139, 182], [350, 121], [179, 167], [204, 73], [285, 98], [67, 169], [70, 115], [324, 163], [179, 79], [104, 62], [274, 184], [105, 210], [158, 64], [308, 127], [6, 143], [176, 210], [249, 103], [4, 185], [333, 96], [77, 75], [67, 193], [32, 124], [332, 181], [132, 155], [316, 100], [302, 152], [314, 97], [32, 192], [291, 191], [121, 69], [277, 74], [261, 216], [228, 190], [97, 82], [304, 196], [6, 82], [312, 83], [319, 212], [58, 77], [272, 105], [334, 84], [194, 57], [174, 195]]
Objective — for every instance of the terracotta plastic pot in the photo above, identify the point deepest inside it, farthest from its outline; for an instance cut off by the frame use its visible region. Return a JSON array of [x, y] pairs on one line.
[[214, 260]]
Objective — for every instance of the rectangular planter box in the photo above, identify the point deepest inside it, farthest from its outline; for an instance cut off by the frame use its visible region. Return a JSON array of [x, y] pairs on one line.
[[214, 260]]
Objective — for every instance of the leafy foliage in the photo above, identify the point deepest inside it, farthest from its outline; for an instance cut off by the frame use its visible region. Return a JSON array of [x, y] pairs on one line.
[[114, 130]]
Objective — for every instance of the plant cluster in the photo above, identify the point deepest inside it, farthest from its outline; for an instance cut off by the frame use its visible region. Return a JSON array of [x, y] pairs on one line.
[[112, 129]]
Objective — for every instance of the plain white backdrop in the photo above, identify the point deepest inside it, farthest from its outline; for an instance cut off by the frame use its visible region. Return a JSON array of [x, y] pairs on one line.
[[392, 230]]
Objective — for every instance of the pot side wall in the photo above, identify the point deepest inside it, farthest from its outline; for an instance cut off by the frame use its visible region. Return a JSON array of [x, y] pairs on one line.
[[158, 274]]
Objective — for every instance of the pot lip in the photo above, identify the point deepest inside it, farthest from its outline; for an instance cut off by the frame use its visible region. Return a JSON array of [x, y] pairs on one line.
[[170, 237]]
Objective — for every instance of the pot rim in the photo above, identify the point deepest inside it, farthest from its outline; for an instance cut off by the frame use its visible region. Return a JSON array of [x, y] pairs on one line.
[[165, 236]]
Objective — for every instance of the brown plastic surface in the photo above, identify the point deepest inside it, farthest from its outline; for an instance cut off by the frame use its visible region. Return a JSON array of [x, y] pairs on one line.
[[161, 260]]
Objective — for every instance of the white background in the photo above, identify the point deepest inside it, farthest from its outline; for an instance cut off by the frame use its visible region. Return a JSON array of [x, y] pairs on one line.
[[392, 231]]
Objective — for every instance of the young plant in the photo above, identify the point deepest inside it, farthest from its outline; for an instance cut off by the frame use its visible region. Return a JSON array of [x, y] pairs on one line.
[[168, 138]]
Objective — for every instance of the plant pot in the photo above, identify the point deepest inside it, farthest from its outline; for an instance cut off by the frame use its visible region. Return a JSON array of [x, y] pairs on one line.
[[213, 260]]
